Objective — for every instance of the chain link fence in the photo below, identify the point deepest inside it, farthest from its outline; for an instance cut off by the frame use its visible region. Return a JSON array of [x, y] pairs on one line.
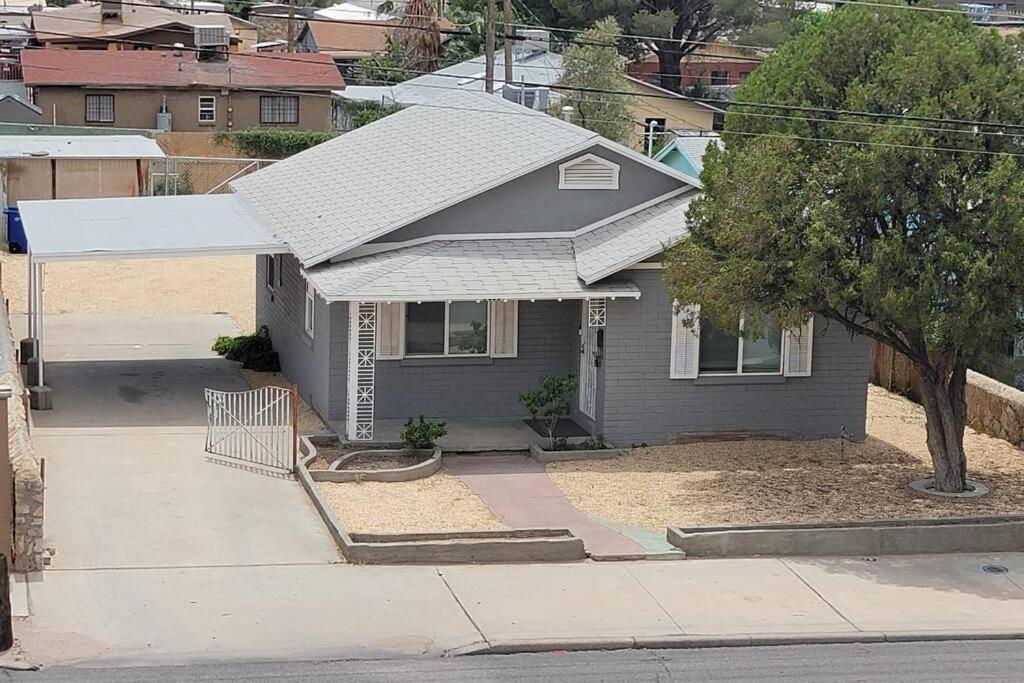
[[199, 175]]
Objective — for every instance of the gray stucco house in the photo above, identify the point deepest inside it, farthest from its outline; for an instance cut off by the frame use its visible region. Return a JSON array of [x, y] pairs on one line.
[[445, 257]]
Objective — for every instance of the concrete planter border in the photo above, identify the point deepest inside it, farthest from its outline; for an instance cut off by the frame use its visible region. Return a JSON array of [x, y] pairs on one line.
[[875, 537], [464, 547], [431, 462], [541, 455]]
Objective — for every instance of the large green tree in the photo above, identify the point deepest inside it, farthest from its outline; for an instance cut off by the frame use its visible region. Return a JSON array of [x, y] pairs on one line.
[[592, 81], [914, 236], [678, 27]]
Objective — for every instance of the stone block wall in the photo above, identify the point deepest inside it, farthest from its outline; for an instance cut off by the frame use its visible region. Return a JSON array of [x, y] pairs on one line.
[[995, 408], [25, 466]]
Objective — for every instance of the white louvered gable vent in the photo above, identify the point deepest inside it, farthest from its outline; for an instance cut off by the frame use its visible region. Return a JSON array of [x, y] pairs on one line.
[[588, 172]]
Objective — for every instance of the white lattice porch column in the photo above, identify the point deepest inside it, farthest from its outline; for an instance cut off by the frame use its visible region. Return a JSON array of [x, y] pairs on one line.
[[362, 337]]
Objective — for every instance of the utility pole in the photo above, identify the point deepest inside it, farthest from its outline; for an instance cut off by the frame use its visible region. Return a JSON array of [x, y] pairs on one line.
[[291, 25], [489, 48], [506, 32]]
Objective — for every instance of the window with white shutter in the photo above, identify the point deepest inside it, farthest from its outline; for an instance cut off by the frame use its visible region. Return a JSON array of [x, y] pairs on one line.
[[389, 331], [798, 349], [588, 172], [504, 329], [685, 358]]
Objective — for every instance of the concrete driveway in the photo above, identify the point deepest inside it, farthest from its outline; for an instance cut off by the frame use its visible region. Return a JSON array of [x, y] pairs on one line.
[[128, 482]]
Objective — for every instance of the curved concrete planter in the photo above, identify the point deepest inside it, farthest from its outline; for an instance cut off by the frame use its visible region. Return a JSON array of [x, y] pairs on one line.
[[541, 455], [514, 545], [880, 537], [431, 463]]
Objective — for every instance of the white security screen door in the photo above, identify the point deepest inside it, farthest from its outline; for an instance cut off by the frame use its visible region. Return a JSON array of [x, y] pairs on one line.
[[588, 359]]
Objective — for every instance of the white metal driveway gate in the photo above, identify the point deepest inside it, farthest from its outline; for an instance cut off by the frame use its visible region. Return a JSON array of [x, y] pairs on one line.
[[257, 427]]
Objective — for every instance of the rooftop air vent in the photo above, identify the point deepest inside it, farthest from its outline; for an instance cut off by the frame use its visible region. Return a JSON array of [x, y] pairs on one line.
[[110, 9]]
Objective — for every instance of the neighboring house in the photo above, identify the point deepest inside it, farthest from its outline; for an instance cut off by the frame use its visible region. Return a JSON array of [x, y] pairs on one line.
[[227, 91], [686, 153], [445, 257], [271, 19], [349, 40], [720, 66], [532, 63], [657, 111], [132, 26], [15, 104], [347, 11]]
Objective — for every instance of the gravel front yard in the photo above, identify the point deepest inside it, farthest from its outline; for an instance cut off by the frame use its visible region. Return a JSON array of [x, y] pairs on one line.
[[706, 484], [207, 284], [440, 502]]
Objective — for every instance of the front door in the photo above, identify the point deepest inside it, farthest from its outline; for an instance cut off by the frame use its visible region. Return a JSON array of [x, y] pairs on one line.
[[588, 364]]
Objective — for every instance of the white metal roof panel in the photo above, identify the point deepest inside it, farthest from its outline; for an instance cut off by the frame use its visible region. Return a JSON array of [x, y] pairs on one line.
[[621, 243], [461, 270], [79, 147], [380, 177], [144, 227]]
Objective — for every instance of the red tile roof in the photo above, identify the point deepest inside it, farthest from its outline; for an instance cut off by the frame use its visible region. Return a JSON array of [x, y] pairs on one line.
[[143, 68]]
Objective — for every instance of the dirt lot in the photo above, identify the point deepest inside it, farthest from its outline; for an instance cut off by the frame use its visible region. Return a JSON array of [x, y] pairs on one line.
[[440, 502], [784, 481], [209, 284]]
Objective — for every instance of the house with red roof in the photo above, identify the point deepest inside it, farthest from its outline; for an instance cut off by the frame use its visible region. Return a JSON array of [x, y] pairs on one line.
[[183, 89]]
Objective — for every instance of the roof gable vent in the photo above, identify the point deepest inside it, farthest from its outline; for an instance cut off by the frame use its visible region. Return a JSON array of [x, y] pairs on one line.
[[588, 172]]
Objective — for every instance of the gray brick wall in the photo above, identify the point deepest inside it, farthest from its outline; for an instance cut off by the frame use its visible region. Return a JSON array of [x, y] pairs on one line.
[[316, 365], [641, 404], [548, 342]]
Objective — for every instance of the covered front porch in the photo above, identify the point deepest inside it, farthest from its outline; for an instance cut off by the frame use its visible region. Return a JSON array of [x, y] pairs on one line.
[[458, 331]]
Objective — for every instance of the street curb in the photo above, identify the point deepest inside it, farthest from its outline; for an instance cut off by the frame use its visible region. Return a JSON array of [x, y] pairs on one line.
[[683, 641]]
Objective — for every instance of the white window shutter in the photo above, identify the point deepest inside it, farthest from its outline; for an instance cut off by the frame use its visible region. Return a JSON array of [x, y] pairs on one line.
[[389, 331], [505, 329], [798, 350], [685, 343]]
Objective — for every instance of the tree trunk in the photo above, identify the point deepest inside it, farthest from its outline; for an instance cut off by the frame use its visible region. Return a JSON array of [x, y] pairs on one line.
[[670, 76], [945, 408]]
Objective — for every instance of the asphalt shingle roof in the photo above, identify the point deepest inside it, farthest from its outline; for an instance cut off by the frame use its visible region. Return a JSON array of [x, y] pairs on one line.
[[467, 269], [621, 243], [380, 177]]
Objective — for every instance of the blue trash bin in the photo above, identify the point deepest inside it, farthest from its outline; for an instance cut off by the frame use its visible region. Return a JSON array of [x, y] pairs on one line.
[[17, 242]]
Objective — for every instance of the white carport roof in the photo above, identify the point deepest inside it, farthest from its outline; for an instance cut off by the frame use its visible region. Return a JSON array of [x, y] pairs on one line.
[[144, 227]]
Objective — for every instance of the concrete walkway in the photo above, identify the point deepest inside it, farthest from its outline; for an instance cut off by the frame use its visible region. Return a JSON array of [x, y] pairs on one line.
[[282, 612], [518, 490]]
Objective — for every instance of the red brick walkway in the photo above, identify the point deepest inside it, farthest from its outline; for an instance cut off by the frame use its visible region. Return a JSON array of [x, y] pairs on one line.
[[518, 490]]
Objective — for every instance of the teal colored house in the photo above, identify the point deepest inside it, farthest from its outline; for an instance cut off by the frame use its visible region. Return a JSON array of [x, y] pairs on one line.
[[686, 153]]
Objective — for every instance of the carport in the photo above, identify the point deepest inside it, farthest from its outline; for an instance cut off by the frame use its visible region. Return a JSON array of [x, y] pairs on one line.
[[127, 228]]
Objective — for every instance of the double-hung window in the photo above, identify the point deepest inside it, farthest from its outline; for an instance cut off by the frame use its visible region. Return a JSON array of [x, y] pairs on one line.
[[309, 310], [724, 353], [207, 109], [99, 108], [455, 328], [279, 109]]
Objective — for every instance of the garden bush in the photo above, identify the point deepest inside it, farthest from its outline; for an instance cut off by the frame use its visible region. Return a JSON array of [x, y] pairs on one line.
[[254, 351], [422, 433]]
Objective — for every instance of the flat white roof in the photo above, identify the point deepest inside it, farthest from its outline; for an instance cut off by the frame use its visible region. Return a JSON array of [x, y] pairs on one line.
[[79, 147], [145, 227]]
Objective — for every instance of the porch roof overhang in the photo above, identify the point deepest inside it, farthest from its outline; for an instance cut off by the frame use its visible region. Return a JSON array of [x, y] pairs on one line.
[[514, 270], [145, 227]]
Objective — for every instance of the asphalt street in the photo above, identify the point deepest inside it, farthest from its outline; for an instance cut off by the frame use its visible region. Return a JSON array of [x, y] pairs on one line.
[[906, 662]]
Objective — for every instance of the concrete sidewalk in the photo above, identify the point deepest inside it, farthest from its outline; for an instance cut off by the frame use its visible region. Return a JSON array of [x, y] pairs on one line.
[[164, 615]]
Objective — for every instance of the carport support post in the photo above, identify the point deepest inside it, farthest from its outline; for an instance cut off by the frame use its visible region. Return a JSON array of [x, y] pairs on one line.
[[29, 346], [39, 395]]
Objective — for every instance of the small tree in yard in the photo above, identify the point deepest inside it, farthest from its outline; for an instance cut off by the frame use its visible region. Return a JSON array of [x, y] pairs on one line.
[[550, 401], [913, 235], [593, 63]]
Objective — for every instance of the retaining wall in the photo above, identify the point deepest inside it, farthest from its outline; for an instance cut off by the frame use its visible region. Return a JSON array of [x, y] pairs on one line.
[[993, 408], [25, 466]]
